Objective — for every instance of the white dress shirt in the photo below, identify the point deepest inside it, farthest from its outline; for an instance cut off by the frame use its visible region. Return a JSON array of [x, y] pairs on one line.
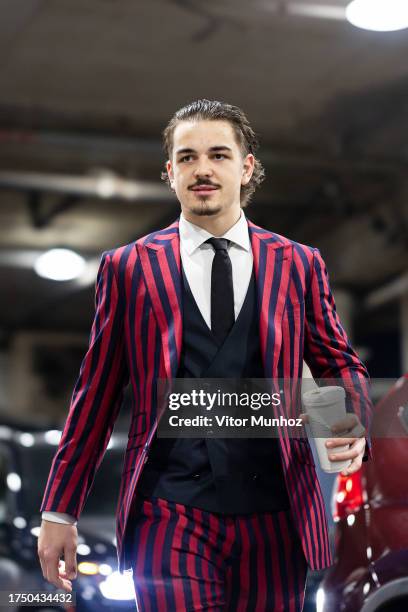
[[196, 258]]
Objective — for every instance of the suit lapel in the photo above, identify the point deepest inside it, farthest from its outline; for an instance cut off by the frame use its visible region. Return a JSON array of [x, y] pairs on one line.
[[272, 263], [161, 266]]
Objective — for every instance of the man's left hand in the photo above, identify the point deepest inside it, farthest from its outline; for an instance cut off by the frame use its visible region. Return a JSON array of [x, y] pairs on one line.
[[349, 424]]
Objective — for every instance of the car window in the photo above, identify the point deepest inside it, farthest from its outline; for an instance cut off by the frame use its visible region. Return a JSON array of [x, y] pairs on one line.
[[35, 466]]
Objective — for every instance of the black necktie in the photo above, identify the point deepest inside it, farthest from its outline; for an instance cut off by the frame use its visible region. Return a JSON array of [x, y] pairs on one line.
[[222, 291]]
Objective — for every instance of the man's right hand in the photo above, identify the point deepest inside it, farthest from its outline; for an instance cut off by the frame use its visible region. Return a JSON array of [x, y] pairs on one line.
[[55, 540]]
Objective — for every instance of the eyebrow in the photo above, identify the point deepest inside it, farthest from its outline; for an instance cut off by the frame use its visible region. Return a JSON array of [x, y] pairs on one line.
[[212, 149]]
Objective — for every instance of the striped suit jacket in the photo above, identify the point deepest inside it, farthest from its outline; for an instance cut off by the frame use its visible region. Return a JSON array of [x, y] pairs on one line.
[[136, 337]]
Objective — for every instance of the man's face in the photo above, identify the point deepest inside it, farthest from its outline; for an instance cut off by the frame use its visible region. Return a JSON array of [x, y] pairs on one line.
[[207, 168]]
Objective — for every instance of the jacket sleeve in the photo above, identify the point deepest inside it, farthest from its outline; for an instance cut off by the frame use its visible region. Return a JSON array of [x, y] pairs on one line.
[[95, 402], [328, 352]]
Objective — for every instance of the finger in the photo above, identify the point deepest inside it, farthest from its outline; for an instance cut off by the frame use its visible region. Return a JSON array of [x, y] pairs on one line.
[[46, 563], [304, 417], [52, 563], [62, 570], [333, 442], [350, 469], [39, 554], [351, 453], [43, 566], [63, 578], [70, 560], [354, 466], [65, 584], [359, 443]]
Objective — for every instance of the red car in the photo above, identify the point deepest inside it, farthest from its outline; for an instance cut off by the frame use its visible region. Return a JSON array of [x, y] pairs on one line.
[[371, 509]]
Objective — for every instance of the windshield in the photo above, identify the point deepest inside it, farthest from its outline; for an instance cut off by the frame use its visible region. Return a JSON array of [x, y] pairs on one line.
[[35, 467]]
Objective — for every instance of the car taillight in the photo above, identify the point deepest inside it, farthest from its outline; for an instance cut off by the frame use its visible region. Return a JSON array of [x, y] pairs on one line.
[[348, 495]]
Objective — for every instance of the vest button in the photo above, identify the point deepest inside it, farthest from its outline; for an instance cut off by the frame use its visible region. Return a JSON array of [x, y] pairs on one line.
[[195, 476], [254, 476]]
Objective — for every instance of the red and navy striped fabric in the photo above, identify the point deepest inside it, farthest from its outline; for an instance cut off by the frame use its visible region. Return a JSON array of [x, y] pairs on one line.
[[137, 336], [190, 559]]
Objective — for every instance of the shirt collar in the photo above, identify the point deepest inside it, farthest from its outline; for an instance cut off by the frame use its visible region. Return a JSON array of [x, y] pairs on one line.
[[192, 236]]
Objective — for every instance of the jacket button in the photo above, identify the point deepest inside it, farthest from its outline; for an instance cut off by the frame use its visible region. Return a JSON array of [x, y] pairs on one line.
[[254, 476], [195, 476]]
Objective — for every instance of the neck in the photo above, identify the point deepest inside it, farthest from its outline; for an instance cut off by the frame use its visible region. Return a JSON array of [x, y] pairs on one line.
[[216, 225]]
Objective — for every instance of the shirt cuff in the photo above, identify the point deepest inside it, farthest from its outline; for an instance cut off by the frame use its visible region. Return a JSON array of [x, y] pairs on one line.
[[59, 517]]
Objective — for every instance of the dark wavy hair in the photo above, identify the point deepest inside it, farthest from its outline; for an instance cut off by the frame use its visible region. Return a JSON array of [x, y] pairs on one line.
[[219, 111]]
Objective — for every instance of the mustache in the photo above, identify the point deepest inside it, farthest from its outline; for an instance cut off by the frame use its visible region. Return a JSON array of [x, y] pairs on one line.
[[203, 184]]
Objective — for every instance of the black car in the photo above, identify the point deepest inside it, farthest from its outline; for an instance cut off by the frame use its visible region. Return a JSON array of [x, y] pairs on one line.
[[25, 461]]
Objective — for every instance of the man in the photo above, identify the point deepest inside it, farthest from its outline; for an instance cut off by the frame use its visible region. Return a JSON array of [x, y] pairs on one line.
[[204, 524]]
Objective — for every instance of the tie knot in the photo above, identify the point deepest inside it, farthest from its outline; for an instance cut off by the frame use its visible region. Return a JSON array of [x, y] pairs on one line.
[[219, 244]]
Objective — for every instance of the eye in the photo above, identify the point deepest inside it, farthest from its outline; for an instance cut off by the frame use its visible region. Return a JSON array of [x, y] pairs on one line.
[[219, 155], [184, 158]]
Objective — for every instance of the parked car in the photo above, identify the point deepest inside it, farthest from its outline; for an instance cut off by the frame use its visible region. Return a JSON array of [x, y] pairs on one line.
[[25, 461], [371, 512]]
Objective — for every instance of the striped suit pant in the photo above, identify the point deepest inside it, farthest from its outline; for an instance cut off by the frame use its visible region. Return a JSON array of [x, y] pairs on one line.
[[188, 559]]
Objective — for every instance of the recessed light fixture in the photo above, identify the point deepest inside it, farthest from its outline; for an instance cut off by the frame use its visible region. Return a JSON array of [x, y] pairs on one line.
[[59, 264], [378, 15]]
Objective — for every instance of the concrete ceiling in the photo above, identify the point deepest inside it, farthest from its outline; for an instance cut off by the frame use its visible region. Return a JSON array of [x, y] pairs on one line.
[[87, 87]]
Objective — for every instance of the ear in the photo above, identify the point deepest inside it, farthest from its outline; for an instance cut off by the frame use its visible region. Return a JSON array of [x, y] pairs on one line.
[[248, 169], [169, 168]]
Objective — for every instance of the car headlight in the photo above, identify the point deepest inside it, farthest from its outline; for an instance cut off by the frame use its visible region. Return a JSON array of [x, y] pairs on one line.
[[319, 599], [88, 568], [118, 586]]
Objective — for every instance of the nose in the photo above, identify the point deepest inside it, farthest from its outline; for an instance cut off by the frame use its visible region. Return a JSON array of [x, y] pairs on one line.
[[202, 167]]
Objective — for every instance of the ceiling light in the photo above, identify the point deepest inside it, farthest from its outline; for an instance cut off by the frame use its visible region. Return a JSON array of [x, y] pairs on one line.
[[59, 265], [106, 186], [378, 15]]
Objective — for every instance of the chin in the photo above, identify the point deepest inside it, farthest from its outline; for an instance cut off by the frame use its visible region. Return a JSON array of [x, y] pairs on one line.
[[204, 208], [208, 212]]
